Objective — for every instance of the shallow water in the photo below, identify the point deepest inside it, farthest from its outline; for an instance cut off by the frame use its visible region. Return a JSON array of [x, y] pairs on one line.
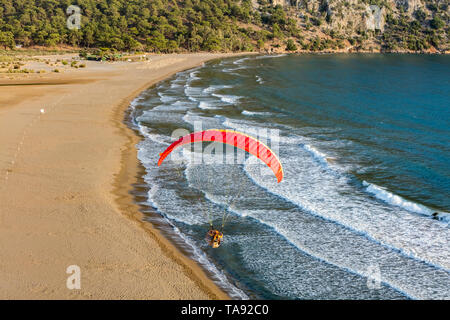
[[364, 142]]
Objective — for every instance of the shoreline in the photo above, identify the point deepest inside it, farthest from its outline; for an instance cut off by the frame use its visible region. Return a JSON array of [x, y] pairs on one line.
[[164, 228], [131, 173], [276, 50], [81, 158]]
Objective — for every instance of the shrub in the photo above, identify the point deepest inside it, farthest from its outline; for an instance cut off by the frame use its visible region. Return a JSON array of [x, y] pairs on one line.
[[83, 54], [437, 23], [260, 44], [420, 15], [291, 45]]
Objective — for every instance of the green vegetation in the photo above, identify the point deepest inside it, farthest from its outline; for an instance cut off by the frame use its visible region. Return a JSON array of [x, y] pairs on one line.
[[112, 26], [437, 23], [157, 25], [291, 45], [153, 25], [7, 39]]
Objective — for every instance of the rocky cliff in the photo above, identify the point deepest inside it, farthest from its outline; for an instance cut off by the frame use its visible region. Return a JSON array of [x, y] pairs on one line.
[[370, 25]]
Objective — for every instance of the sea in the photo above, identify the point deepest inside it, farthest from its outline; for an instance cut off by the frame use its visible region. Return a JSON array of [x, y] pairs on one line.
[[363, 209]]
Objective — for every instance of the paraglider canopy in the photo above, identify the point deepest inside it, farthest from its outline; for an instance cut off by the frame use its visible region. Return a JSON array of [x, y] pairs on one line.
[[236, 139]]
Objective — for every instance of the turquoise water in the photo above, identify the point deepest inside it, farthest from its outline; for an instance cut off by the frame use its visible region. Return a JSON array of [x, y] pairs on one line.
[[364, 142]]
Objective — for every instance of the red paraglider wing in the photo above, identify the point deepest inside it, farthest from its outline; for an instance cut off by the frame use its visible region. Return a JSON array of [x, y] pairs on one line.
[[236, 139]]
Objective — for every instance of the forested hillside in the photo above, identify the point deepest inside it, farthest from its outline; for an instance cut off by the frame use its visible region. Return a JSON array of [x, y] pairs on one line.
[[228, 25]]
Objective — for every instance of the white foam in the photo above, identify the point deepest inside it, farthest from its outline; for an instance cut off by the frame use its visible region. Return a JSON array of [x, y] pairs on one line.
[[155, 137], [193, 93], [331, 198], [165, 99], [257, 129], [206, 122], [193, 76], [335, 245], [270, 56], [255, 113], [159, 116], [396, 200], [231, 99], [135, 102], [166, 200], [239, 61], [319, 156], [206, 106], [330, 195], [233, 70], [200, 256], [174, 106], [166, 207], [214, 88]]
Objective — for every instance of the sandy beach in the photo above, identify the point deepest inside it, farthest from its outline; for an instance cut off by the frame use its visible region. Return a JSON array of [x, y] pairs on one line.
[[67, 162]]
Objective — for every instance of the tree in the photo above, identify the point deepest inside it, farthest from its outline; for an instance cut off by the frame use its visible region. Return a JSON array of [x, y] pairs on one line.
[[437, 23], [157, 42], [7, 39], [277, 34], [420, 15], [260, 44], [291, 45], [214, 25], [88, 36]]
